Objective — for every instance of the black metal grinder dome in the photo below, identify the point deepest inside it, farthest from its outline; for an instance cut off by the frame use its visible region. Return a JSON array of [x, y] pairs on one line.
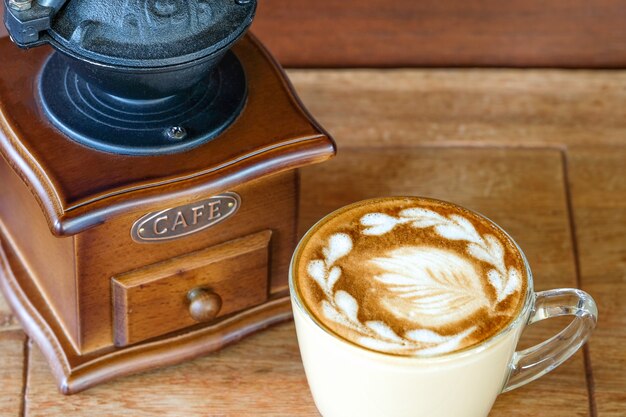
[[137, 77]]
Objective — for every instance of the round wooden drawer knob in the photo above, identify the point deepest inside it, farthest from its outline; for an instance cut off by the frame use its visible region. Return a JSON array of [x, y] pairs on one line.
[[203, 304]]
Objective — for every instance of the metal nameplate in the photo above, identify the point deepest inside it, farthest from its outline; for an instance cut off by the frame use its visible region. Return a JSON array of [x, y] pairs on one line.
[[177, 222]]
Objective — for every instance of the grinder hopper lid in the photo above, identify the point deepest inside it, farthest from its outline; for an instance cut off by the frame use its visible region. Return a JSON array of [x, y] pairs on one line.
[[143, 77], [149, 33]]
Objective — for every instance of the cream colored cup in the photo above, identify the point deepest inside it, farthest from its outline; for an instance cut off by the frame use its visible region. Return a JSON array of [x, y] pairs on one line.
[[347, 380]]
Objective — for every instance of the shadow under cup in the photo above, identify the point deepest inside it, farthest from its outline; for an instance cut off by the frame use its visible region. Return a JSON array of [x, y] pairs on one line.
[[347, 379]]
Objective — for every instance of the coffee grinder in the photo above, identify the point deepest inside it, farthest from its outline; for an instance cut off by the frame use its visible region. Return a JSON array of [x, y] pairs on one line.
[[148, 181]]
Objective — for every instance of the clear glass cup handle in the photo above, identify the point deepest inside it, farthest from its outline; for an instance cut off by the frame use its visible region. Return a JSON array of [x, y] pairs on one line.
[[534, 362]]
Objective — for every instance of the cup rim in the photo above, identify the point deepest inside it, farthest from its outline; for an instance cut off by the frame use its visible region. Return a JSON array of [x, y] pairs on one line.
[[470, 350]]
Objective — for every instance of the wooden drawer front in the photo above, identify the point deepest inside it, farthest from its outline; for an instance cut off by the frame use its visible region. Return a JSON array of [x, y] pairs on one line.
[[153, 300]]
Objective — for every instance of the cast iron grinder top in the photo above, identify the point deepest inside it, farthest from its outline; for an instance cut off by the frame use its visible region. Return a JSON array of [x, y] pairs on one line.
[[138, 77]]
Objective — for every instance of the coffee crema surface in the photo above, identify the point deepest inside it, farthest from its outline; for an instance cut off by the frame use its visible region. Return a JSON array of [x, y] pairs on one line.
[[410, 276]]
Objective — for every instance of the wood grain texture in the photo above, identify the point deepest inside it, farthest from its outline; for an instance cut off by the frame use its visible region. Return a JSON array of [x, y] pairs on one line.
[[407, 33], [260, 377], [598, 186], [237, 271], [553, 33], [525, 194], [109, 250], [75, 373], [8, 321], [51, 259], [382, 108], [12, 350], [270, 203], [63, 297], [523, 190], [273, 134]]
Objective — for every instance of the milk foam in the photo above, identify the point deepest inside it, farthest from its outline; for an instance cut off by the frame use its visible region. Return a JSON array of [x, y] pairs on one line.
[[411, 276], [430, 286]]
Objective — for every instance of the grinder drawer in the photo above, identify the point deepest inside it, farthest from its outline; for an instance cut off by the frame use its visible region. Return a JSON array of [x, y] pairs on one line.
[[198, 287]]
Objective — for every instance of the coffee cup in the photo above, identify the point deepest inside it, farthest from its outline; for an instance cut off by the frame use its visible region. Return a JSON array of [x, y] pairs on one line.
[[409, 306]]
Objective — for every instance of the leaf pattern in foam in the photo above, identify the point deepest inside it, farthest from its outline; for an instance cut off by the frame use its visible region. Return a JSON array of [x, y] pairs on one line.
[[459, 228], [378, 223], [382, 345], [490, 251], [430, 286], [496, 280], [331, 313], [422, 218], [504, 285], [425, 336], [514, 282], [348, 305], [339, 245], [383, 331], [333, 276], [450, 344], [496, 250], [317, 270]]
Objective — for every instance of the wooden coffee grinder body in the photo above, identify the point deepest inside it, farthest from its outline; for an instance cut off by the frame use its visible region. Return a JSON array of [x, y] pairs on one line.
[[116, 263]]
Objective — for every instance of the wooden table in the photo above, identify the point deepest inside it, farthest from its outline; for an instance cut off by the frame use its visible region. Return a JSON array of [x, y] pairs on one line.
[[542, 152]]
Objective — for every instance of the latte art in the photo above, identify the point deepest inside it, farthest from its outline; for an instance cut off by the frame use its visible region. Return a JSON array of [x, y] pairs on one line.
[[430, 286], [411, 276]]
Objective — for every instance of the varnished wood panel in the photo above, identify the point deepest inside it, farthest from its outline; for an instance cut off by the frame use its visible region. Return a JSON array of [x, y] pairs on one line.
[[7, 318], [257, 156], [79, 187], [382, 108], [523, 190], [108, 250], [261, 376], [552, 33], [12, 349], [50, 260], [152, 301], [598, 185], [74, 373]]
